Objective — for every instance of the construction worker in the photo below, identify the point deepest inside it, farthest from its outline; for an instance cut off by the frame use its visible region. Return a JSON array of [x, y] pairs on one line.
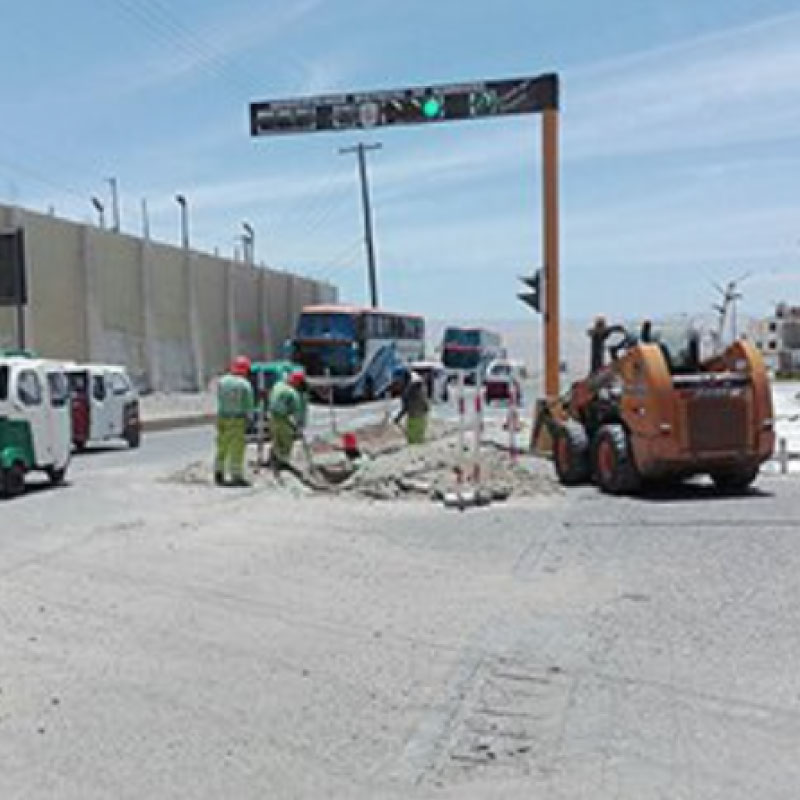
[[235, 402], [288, 408], [415, 408]]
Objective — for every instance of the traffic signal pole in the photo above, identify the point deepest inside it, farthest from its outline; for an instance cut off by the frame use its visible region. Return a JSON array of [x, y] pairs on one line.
[[551, 253]]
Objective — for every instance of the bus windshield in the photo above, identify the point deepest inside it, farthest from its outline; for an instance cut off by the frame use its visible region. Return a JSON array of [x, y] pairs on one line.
[[326, 326], [462, 337]]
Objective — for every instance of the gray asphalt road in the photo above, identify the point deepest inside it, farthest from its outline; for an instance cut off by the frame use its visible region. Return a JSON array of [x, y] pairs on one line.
[[176, 641]]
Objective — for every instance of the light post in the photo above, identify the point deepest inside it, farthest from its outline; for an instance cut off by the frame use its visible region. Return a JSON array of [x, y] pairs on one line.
[[184, 206], [249, 243], [112, 182], [101, 212]]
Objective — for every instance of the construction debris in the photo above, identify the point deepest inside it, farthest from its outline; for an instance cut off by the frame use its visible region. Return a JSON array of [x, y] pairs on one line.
[[388, 469]]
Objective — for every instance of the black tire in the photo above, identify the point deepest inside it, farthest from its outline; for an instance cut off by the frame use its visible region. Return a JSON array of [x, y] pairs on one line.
[[571, 453], [735, 480], [369, 389], [133, 437], [614, 468], [12, 480], [56, 476]]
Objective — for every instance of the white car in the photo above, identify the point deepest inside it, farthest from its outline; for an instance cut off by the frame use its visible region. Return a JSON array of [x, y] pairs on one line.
[[435, 377], [501, 376]]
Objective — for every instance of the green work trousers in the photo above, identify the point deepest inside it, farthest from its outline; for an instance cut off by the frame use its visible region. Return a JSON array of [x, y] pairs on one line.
[[281, 432], [231, 444], [415, 429]]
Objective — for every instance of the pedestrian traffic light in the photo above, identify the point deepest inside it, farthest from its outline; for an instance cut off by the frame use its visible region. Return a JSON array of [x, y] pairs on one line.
[[533, 297]]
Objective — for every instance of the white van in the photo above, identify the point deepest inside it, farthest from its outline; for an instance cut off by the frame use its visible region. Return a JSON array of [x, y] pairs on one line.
[[35, 427], [105, 405]]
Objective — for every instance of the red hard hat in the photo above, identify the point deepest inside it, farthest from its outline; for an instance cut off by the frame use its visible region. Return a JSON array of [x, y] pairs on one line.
[[240, 366], [297, 379]]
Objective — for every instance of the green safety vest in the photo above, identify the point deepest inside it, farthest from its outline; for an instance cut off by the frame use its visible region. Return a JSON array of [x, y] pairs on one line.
[[287, 403], [234, 397]]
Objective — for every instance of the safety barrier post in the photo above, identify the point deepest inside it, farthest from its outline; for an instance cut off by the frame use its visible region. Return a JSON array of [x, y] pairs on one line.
[[330, 399], [478, 428], [461, 426], [513, 420]]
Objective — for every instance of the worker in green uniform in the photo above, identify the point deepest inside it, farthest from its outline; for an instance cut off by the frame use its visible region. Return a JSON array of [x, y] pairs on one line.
[[288, 409], [415, 408], [235, 402]]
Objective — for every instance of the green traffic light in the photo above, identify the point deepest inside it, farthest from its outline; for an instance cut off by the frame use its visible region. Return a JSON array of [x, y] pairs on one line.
[[432, 108]]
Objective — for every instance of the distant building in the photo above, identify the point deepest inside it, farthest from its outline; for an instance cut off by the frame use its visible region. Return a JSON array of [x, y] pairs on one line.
[[778, 339]]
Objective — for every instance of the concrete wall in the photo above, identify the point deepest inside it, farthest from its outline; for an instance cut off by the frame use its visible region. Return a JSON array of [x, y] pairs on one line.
[[173, 317]]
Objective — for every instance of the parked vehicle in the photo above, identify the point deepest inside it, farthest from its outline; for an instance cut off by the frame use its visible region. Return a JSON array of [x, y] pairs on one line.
[[34, 421], [263, 376], [355, 352], [105, 405], [435, 377], [501, 376]]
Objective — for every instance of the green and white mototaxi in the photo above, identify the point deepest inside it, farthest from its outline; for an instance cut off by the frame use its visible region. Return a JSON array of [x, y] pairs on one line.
[[35, 421]]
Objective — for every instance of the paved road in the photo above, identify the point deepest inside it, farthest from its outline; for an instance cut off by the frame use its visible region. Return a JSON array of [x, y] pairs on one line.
[[243, 645], [174, 641]]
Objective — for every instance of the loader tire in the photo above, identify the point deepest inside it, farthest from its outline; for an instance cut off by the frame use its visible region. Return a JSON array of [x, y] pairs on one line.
[[571, 453], [734, 480], [614, 469]]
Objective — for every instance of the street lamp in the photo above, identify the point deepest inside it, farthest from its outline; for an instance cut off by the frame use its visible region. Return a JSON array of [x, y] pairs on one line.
[[112, 182], [101, 212], [181, 201], [249, 243]]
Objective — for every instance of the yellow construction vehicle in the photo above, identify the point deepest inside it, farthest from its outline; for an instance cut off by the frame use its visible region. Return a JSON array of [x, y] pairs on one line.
[[652, 410]]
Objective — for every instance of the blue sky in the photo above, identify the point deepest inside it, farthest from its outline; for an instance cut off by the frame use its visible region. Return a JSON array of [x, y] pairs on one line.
[[681, 141]]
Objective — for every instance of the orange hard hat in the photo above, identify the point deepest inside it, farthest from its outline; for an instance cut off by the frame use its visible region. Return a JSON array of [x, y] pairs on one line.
[[297, 379], [240, 366]]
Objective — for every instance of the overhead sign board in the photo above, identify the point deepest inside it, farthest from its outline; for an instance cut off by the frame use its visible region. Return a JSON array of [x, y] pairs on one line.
[[420, 105], [13, 286]]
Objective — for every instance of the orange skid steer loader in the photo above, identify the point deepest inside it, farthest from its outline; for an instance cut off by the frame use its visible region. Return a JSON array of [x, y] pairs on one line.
[[652, 411]]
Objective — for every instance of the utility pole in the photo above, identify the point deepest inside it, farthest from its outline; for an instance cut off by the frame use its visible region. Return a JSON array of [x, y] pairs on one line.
[[361, 149], [145, 219], [112, 182]]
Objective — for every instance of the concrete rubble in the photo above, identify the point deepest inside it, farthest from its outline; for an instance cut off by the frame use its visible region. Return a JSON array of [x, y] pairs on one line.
[[388, 469]]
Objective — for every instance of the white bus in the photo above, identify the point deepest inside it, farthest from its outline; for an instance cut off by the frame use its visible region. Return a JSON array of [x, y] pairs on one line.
[[355, 352]]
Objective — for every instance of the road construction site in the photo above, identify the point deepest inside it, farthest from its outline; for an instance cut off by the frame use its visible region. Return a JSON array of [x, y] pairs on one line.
[[167, 638]]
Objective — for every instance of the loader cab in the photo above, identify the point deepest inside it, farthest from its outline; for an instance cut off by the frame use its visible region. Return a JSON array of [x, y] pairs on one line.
[[35, 430], [679, 344], [680, 347]]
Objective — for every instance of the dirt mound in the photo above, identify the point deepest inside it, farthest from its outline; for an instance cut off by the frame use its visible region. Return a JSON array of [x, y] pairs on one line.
[[432, 469], [389, 469]]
